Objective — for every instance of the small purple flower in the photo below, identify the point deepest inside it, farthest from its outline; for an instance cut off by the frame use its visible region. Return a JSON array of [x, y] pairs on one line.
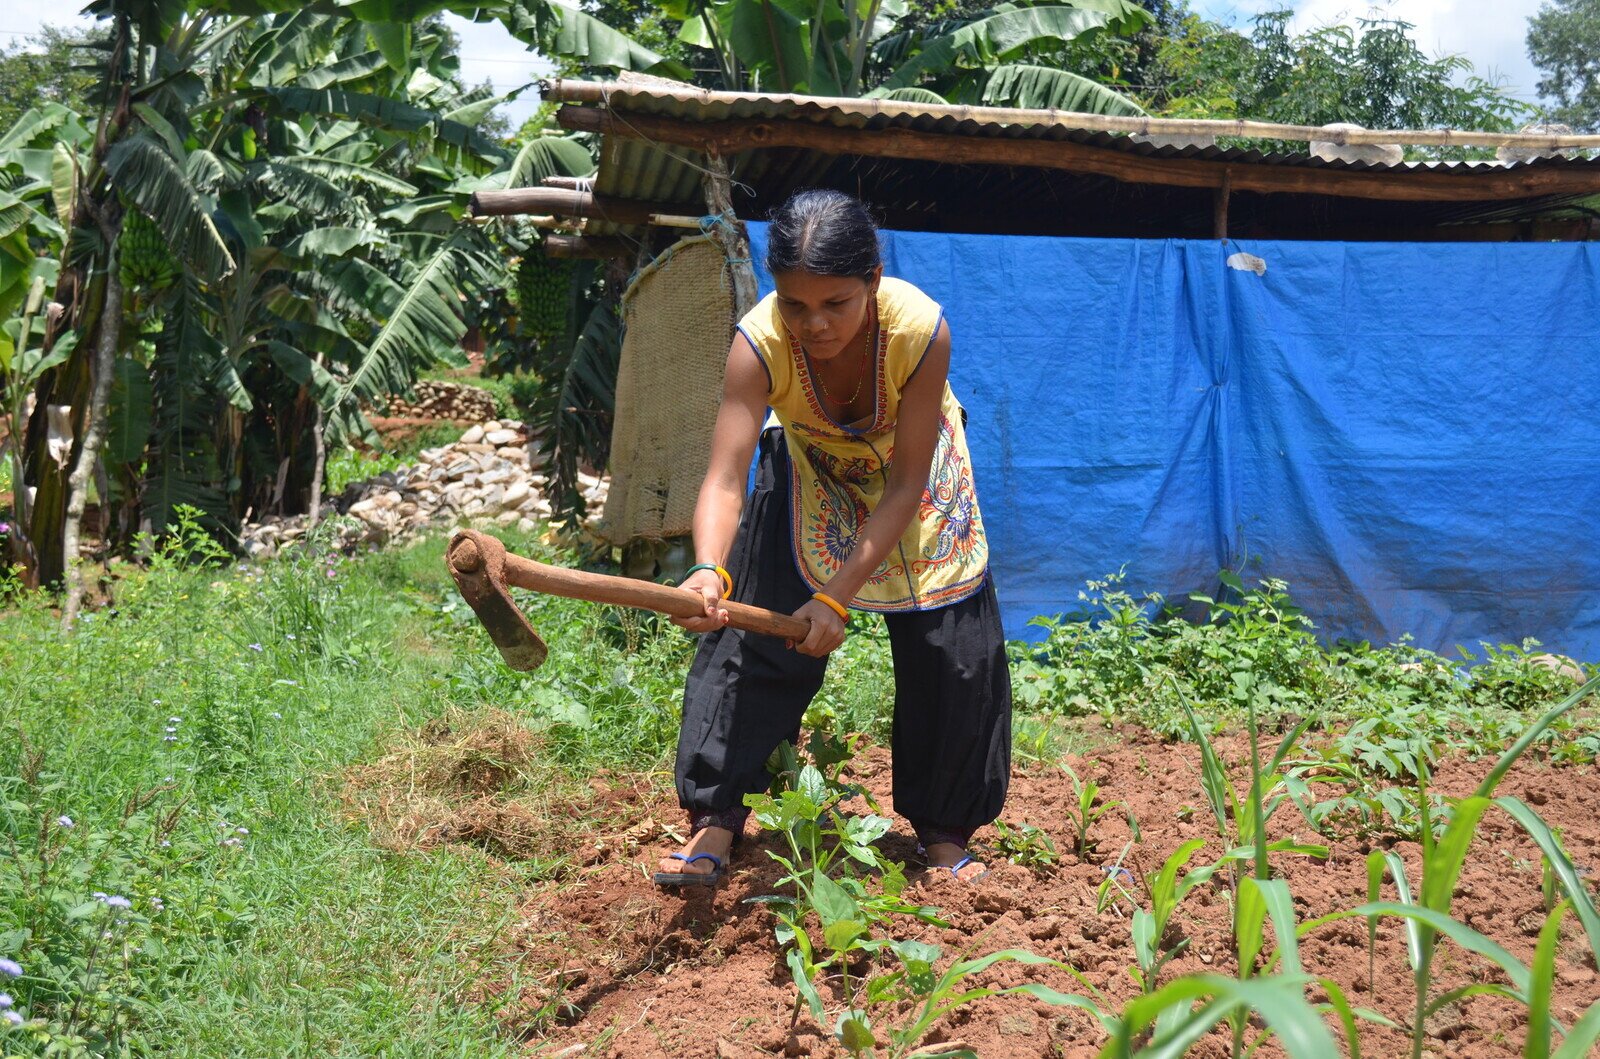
[[10, 968], [5, 1000], [64, 821], [5, 527], [257, 647], [169, 739], [13, 1017], [171, 729], [113, 900]]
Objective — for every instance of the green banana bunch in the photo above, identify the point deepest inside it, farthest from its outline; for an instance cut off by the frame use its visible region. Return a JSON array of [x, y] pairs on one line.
[[145, 259], [542, 286]]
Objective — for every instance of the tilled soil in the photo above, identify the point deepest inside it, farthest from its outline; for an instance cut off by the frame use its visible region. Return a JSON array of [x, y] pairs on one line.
[[636, 972]]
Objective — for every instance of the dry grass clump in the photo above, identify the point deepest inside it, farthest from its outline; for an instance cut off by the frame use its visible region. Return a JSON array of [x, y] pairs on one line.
[[452, 780]]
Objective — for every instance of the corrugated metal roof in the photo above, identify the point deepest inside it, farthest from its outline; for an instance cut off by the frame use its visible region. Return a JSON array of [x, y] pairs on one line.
[[637, 168]]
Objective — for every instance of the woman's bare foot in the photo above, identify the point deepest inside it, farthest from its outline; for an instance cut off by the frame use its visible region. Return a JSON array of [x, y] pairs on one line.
[[948, 855], [717, 841]]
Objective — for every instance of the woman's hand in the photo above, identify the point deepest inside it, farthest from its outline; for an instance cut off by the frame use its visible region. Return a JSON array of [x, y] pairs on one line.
[[827, 629], [709, 586]]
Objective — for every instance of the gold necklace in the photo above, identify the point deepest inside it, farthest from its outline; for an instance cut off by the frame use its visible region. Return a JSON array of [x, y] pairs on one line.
[[861, 377]]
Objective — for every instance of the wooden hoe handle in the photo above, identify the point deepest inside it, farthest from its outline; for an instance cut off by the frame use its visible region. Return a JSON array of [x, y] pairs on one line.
[[483, 569]]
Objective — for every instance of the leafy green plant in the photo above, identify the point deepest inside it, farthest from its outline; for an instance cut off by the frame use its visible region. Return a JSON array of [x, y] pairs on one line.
[[822, 843], [1025, 844]]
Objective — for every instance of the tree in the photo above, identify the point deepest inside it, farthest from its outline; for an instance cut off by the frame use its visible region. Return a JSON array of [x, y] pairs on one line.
[[1372, 74], [262, 230], [47, 68], [885, 48], [1564, 42]]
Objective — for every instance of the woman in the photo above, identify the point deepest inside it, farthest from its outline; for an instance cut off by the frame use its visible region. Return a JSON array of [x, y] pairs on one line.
[[864, 499]]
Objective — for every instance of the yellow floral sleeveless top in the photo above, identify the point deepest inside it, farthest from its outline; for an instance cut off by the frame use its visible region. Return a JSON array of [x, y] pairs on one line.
[[839, 472]]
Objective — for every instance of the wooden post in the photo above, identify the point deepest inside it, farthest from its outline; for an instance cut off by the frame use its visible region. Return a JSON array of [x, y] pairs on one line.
[[718, 186], [1219, 207]]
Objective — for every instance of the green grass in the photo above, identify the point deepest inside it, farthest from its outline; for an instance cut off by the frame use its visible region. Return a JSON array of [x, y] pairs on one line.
[[305, 937]]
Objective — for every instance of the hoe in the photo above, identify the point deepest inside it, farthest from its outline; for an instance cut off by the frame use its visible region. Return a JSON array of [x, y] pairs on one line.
[[485, 571]]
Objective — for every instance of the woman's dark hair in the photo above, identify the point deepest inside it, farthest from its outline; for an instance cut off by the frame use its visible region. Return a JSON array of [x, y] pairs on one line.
[[825, 233]]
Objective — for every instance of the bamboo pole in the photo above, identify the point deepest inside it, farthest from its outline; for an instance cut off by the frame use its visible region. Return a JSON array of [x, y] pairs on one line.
[[565, 90], [564, 202]]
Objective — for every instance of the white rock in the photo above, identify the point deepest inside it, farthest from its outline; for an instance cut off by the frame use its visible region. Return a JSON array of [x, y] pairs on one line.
[[491, 426], [506, 518], [516, 493], [476, 447], [472, 436], [499, 437], [513, 455], [493, 498], [526, 525], [498, 476]]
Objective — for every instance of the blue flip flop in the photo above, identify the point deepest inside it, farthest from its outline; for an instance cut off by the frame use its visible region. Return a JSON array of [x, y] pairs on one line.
[[691, 878], [955, 870]]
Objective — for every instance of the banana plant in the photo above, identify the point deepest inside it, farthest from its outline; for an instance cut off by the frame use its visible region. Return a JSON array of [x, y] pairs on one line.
[[870, 48]]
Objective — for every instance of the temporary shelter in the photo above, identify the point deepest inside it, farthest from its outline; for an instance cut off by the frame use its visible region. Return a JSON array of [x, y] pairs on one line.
[[1370, 378]]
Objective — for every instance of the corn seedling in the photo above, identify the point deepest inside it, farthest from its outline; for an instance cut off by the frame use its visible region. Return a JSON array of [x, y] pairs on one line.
[[1166, 890], [1242, 821], [933, 995], [1168, 1023], [1427, 915], [1087, 812]]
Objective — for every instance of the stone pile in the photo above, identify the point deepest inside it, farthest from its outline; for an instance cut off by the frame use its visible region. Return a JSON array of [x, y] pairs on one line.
[[491, 477], [436, 399]]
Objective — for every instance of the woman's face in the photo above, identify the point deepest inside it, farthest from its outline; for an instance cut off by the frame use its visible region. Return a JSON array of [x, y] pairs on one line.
[[825, 312]]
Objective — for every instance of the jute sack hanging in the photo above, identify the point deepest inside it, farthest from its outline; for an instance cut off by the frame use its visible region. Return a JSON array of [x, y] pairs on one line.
[[678, 320]]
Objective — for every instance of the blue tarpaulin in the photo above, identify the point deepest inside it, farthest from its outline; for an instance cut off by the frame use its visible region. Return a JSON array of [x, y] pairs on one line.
[[1406, 433]]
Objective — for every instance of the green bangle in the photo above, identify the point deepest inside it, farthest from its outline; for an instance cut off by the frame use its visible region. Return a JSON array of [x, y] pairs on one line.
[[727, 578]]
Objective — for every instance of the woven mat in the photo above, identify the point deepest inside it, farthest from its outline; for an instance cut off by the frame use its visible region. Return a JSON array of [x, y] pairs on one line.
[[678, 319]]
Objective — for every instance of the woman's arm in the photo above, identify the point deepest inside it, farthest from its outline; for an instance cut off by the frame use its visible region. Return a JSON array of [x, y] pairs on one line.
[[733, 441], [916, 436]]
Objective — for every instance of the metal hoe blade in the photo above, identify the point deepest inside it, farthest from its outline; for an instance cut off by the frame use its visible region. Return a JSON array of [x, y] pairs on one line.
[[477, 562]]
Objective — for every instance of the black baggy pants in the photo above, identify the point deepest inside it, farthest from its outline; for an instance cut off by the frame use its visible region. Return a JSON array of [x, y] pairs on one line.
[[747, 692]]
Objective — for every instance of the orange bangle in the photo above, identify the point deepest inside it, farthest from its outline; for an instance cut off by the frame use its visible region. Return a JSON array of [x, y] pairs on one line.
[[727, 578], [832, 603]]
